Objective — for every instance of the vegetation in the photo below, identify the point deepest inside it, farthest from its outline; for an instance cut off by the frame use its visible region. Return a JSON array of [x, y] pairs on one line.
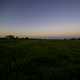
[[33, 59]]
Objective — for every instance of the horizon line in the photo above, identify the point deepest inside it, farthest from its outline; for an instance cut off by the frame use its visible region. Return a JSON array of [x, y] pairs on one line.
[[43, 35]]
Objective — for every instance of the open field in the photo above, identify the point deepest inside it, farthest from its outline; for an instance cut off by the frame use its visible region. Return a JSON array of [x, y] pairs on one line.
[[40, 59]]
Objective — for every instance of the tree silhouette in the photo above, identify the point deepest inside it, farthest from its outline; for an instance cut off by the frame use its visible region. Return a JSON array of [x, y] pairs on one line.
[[26, 38], [78, 38], [10, 37]]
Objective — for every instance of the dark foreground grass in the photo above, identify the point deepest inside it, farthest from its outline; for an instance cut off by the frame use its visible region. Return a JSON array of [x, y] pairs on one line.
[[39, 59]]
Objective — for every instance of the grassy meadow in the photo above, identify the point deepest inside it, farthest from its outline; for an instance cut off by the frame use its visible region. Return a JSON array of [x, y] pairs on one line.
[[33, 59]]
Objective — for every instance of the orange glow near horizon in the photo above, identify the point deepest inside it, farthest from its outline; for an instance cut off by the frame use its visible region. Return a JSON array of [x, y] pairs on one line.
[[41, 34]]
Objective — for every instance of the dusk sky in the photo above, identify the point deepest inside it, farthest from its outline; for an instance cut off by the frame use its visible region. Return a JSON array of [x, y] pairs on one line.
[[40, 17]]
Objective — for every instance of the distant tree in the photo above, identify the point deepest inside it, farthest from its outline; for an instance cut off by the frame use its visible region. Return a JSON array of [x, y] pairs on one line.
[[65, 39], [16, 37], [26, 38], [73, 39], [10, 37], [78, 38]]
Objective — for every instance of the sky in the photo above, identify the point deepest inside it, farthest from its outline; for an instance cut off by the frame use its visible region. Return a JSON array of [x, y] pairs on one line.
[[40, 17]]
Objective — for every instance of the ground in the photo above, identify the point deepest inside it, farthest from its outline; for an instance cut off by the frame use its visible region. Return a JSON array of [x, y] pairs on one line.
[[36, 59]]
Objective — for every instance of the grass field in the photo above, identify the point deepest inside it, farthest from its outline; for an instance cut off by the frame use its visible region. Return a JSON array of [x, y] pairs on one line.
[[34, 59]]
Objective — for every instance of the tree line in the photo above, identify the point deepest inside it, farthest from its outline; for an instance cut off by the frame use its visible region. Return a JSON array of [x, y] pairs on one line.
[[12, 37]]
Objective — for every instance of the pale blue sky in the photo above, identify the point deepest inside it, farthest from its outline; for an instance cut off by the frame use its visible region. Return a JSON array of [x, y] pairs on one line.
[[40, 17]]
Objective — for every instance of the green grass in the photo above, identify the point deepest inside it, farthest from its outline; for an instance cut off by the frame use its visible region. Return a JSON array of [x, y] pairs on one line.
[[40, 59]]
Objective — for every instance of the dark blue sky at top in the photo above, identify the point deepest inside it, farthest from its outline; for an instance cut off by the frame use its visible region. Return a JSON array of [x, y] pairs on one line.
[[40, 15]]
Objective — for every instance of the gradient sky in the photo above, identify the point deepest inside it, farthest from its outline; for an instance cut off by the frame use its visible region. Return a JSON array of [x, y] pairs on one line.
[[40, 17]]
